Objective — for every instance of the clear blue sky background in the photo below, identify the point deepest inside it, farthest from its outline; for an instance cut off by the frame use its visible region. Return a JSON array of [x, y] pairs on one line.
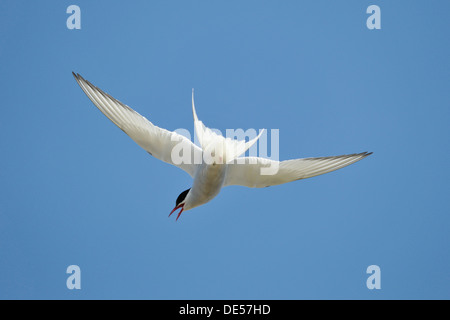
[[76, 190]]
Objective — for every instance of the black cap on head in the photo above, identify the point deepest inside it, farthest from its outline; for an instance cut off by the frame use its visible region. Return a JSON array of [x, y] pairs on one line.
[[182, 196]]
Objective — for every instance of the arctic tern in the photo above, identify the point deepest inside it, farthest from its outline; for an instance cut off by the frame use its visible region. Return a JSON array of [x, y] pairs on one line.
[[222, 169]]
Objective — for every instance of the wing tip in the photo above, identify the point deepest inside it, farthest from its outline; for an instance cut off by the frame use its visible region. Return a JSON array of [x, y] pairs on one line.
[[76, 76], [194, 113]]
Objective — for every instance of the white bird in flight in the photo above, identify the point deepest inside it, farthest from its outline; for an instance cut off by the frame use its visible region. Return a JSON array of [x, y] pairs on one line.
[[221, 170]]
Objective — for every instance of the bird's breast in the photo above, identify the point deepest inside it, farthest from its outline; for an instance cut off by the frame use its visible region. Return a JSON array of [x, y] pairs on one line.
[[208, 181]]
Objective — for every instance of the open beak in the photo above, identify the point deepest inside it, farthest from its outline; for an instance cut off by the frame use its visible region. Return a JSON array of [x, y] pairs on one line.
[[178, 207]]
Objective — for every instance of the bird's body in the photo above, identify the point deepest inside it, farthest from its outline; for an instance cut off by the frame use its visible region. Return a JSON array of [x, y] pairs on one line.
[[208, 180], [218, 166]]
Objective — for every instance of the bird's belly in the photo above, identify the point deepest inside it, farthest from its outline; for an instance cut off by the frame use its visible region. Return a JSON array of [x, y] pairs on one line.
[[208, 183]]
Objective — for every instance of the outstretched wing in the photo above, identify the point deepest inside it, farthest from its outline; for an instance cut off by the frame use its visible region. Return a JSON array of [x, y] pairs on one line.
[[208, 138], [156, 141], [249, 172]]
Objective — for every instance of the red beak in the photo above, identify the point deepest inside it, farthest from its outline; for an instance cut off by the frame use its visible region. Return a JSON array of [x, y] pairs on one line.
[[178, 207]]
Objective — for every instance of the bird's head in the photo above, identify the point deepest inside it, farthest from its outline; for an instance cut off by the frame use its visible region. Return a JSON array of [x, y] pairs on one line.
[[180, 202]]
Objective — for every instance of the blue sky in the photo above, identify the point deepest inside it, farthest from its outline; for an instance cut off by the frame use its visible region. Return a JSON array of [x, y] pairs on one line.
[[75, 190]]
